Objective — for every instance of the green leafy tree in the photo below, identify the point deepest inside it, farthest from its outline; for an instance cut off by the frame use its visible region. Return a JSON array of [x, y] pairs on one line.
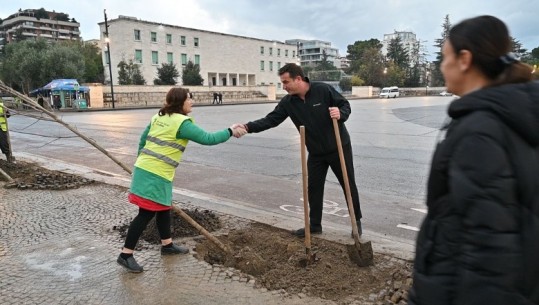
[[41, 13], [535, 53], [518, 49], [62, 61], [437, 79], [371, 68], [62, 17], [356, 53], [22, 64], [191, 75], [166, 74], [129, 74]]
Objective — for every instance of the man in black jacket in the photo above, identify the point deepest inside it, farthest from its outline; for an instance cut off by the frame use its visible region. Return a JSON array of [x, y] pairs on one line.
[[314, 105]]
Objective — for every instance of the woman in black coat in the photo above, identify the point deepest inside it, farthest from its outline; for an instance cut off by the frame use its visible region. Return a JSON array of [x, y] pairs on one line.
[[479, 243]]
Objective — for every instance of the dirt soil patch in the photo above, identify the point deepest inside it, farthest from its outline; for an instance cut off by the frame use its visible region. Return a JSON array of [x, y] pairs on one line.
[[31, 176], [273, 257]]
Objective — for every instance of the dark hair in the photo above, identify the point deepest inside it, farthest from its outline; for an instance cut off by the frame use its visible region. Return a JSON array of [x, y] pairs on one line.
[[487, 38], [174, 101], [293, 70]]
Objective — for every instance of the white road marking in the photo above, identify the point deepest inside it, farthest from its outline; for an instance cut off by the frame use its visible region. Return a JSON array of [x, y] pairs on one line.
[[407, 227], [424, 211]]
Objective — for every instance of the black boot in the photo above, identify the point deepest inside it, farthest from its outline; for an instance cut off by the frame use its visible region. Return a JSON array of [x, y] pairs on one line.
[[130, 264]]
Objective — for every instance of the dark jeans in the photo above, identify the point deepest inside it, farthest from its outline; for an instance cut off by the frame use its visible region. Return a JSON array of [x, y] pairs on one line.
[[3, 143], [139, 223], [317, 167]]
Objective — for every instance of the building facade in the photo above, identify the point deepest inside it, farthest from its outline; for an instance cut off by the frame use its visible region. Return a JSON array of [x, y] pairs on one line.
[[311, 52], [31, 23], [224, 59]]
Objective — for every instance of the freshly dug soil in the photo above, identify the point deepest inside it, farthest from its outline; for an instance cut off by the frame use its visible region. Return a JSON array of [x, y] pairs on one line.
[[31, 176]]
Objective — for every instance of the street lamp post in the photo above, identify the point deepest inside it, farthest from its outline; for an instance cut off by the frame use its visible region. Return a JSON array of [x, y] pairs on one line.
[[107, 40], [427, 84]]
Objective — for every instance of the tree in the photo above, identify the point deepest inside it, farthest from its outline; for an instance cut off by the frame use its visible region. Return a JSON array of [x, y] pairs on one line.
[[41, 13], [22, 64], [371, 67], [535, 53], [356, 81], [397, 53], [166, 74], [129, 74], [437, 78], [357, 50], [62, 61], [191, 75]]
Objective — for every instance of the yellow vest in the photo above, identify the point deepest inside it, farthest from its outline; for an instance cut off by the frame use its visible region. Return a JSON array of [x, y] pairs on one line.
[[162, 152], [3, 124]]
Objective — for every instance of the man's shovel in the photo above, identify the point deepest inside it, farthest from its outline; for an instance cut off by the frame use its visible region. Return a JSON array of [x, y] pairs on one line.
[[359, 253], [310, 257]]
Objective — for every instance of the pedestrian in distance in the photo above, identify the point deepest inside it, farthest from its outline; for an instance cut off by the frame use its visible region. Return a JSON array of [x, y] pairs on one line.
[[479, 242], [160, 150], [314, 105], [4, 143], [215, 100], [220, 95]]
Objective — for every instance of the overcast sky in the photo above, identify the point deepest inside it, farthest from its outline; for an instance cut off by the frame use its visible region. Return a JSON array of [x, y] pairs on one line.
[[340, 22]]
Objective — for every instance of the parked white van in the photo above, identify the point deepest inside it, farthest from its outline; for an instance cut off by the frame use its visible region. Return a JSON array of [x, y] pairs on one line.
[[388, 92]]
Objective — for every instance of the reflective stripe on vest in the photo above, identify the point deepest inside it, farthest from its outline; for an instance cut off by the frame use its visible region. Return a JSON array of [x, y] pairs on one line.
[[165, 143], [161, 157]]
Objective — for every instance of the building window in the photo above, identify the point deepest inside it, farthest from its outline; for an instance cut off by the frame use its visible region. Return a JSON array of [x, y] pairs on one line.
[[137, 35], [270, 51], [271, 65], [261, 65], [278, 52], [278, 65], [155, 58], [170, 57], [138, 56], [184, 59], [169, 38], [196, 41], [286, 53], [106, 57], [182, 40], [153, 36], [293, 53], [261, 50], [197, 60]]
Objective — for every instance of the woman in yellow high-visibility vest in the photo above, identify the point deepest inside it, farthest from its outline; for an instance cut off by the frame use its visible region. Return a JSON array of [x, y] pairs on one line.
[[160, 151], [4, 145]]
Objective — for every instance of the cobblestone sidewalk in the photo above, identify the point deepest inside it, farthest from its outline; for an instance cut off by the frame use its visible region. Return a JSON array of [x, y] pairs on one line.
[[58, 247]]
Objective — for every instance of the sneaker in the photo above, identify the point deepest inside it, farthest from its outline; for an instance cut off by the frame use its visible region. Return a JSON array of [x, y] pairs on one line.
[[301, 232], [130, 264], [359, 229], [174, 250]]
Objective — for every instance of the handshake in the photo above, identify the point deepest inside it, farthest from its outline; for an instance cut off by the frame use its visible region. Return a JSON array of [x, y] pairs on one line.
[[238, 130]]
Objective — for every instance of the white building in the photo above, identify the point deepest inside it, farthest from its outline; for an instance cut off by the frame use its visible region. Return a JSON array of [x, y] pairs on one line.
[[32, 23], [311, 51], [224, 60]]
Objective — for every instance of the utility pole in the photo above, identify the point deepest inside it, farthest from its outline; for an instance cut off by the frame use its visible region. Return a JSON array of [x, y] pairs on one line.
[[108, 53]]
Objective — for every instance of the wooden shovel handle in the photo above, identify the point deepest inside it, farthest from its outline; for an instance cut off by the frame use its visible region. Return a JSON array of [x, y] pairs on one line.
[[305, 189], [346, 182]]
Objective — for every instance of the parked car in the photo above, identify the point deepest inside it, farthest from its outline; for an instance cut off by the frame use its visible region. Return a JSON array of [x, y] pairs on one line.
[[445, 93], [388, 92]]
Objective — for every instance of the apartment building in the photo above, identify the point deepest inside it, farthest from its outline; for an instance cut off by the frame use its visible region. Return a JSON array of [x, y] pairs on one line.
[[408, 40], [311, 52], [224, 59], [39, 23]]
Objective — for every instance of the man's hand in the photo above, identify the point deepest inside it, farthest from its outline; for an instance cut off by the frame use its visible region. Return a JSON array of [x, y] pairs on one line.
[[334, 113], [238, 130]]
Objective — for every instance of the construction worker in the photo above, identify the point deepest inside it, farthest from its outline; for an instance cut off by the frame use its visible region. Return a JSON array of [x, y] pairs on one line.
[[4, 144]]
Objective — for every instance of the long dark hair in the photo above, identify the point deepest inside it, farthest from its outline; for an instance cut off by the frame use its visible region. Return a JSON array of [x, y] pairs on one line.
[[174, 101], [487, 38]]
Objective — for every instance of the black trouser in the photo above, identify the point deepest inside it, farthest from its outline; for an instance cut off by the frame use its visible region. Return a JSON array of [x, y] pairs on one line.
[[139, 223], [317, 167], [4, 147]]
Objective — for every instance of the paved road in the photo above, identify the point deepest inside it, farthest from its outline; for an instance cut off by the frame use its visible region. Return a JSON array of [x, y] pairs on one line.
[[392, 143]]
